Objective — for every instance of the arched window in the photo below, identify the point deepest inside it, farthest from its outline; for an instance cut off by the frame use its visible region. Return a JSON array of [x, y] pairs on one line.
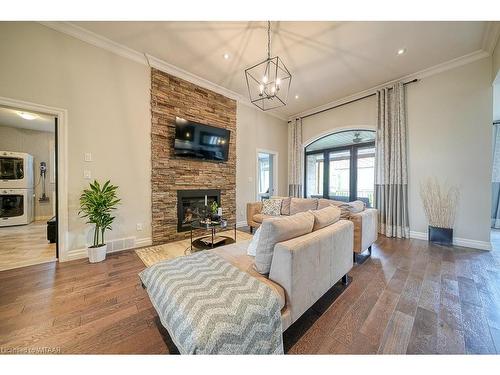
[[349, 171]]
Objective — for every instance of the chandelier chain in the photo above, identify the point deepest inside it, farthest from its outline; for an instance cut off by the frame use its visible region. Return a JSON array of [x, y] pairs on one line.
[[268, 39]]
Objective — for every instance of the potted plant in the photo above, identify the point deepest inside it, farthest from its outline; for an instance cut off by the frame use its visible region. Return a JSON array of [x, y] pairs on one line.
[[96, 205], [214, 211], [440, 205]]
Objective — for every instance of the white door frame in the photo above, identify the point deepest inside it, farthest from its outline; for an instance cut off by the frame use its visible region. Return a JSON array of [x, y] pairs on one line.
[[62, 165], [275, 170]]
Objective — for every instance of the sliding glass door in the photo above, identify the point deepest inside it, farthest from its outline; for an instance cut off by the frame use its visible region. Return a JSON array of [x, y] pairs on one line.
[[339, 175], [365, 178], [314, 175], [348, 174]]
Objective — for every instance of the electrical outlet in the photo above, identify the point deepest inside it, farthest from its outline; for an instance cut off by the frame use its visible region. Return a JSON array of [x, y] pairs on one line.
[[87, 156], [87, 174], [139, 227]]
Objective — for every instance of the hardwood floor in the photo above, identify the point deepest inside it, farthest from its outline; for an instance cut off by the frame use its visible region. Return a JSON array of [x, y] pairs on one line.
[[409, 297], [25, 245]]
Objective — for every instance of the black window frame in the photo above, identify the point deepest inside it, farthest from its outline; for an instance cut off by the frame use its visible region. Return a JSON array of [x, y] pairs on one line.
[[353, 175]]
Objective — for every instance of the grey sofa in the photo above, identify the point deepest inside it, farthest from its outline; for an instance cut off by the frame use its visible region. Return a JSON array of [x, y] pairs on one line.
[[302, 268], [365, 222]]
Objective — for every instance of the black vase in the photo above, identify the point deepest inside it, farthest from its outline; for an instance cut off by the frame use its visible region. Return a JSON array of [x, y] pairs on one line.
[[441, 236]]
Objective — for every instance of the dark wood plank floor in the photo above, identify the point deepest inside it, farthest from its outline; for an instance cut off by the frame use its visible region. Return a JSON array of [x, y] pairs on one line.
[[409, 297]]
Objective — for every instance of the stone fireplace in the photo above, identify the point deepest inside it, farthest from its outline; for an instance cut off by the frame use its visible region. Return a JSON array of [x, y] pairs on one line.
[[171, 175], [193, 205]]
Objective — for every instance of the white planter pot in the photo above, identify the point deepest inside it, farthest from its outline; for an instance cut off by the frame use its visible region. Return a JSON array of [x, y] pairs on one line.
[[97, 254]]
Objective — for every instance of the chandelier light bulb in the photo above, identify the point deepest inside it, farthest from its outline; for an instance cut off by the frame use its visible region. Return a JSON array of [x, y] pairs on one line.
[[264, 79]]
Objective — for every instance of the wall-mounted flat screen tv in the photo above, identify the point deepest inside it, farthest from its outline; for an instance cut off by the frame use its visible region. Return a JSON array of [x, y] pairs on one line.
[[199, 141]]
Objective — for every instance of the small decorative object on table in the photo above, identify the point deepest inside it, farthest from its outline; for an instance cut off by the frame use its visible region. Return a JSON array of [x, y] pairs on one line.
[[214, 211], [440, 205]]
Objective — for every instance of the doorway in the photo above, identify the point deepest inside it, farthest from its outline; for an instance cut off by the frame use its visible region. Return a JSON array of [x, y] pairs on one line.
[[341, 166], [267, 173], [28, 188]]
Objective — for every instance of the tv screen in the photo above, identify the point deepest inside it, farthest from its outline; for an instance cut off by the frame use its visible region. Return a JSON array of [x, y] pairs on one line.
[[199, 141]]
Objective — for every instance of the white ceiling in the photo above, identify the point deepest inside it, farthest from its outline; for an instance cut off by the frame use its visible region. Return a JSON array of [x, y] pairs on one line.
[[327, 60], [10, 117]]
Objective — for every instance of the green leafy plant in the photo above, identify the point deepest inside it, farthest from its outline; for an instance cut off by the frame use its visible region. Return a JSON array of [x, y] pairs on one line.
[[96, 205], [213, 207]]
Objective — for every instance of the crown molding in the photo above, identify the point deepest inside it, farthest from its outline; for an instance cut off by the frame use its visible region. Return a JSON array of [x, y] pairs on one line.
[[490, 36], [99, 41], [451, 64]]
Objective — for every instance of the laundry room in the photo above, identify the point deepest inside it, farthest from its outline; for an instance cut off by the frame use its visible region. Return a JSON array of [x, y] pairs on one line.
[[27, 188]]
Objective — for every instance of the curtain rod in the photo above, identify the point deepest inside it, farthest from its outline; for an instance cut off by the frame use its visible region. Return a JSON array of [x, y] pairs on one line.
[[350, 101]]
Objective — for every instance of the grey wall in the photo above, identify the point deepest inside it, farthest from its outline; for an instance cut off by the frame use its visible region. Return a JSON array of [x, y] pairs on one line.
[[256, 130]]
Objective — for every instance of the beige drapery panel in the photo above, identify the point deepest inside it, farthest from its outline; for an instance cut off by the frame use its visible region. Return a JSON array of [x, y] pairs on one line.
[[295, 159], [391, 176]]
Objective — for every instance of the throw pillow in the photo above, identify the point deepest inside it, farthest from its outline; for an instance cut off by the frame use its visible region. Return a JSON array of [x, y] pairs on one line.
[[271, 207], [252, 246], [322, 203], [356, 207], [285, 206], [302, 205], [279, 229], [345, 209], [325, 217]]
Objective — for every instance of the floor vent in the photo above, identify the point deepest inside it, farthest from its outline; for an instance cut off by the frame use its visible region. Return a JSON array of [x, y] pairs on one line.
[[121, 244]]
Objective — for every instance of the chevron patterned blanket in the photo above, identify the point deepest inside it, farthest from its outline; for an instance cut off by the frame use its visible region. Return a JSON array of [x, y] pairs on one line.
[[209, 306]]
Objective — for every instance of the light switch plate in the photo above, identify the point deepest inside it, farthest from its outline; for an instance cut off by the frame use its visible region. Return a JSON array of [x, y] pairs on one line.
[[87, 156], [87, 174]]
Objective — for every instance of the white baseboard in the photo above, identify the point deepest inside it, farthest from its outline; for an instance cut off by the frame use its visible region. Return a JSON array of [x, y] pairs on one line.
[[141, 242], [457, 241], [82, 253]]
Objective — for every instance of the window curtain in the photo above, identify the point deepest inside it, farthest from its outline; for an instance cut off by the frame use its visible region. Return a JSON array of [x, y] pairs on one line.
[[495, 178], [391, 176], [295, 159]]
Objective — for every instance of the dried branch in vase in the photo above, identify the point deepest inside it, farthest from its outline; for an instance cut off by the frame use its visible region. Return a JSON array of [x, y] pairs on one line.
[[440, 203]]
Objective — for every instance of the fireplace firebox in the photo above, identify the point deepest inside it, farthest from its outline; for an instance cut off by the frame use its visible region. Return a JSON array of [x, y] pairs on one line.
[[191, 206]]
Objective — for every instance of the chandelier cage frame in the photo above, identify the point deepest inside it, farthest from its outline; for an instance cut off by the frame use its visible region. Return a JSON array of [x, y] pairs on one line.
[[269, 81]]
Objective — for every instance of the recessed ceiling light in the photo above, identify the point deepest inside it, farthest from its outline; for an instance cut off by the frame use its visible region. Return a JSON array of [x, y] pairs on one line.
[[296, 96], [226, 56], [401, 51], [27, 116]]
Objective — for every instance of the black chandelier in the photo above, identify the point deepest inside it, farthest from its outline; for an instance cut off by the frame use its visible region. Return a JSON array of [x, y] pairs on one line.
[[269, 81]]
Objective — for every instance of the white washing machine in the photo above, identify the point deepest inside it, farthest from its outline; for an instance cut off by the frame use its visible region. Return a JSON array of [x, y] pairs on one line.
[[16, 207]]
